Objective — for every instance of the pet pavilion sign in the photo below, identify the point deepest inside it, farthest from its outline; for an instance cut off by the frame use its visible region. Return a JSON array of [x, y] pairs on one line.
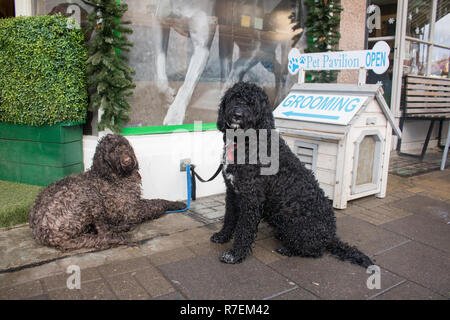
[[338, 108], [376, 59], [342, 132]]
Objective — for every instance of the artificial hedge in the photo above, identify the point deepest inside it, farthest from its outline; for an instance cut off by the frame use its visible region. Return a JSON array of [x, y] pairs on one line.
[[42, 71]]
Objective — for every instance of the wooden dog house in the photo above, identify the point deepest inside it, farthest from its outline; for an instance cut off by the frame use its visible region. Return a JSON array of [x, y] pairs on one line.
[[343, 133]]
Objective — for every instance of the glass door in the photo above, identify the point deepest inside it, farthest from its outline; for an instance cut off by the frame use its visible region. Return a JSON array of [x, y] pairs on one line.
[[381, 24]]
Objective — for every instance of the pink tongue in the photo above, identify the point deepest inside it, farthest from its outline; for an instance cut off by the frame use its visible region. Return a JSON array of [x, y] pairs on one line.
[[230, 152]]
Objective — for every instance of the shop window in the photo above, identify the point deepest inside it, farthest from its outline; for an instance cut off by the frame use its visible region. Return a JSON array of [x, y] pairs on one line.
[[242, 40], [418, 19], [416, 58], [440, 62], [387, 11], [441, 34], [75, 9]]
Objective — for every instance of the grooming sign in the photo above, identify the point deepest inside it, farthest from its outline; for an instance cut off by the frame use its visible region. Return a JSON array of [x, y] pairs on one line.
[[338, 108], [335, 109], [376, 59]]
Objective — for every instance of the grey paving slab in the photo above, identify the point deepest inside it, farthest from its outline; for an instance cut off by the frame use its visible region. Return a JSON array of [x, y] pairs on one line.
[[22, 291], [59, 281], [265, 256], [217, 214], [18, 248], [421, 227], [409, 291], [125, 266], [171, 296], [420, 204], [410, 166], [153, 282], [210, 248], [368, 238], [205, 277], [329, 278], [30, 274], [296, 294], [65, 294], [96, 290], [125, 287], [95, 259], [168, 256], [420, 263]]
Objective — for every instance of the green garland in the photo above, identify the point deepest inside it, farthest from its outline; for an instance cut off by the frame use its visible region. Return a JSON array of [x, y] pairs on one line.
[[109, 77], [322, 25]]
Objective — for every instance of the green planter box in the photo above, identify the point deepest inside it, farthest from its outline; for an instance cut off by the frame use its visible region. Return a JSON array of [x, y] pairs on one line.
[[40, 155]]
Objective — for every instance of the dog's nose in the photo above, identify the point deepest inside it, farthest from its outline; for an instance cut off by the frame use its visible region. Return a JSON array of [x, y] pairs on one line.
[[237, 115], [126, 161]]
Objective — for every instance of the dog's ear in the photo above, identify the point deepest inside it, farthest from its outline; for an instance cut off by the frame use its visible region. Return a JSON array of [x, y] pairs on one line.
[[264, 112], [100, 165], [131, 152], [221, 114]]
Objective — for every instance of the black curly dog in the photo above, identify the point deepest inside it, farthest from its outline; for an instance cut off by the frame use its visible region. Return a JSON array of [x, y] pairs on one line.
[[97, 207], [290, 200]]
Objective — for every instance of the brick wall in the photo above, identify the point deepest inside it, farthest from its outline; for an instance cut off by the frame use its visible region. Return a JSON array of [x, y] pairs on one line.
[[352, 29]]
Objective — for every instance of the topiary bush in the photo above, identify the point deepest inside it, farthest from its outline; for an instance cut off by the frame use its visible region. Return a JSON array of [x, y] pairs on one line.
[[42, 71]]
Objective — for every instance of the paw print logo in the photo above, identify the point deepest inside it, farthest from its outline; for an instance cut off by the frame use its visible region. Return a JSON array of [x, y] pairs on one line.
[[294, 64]]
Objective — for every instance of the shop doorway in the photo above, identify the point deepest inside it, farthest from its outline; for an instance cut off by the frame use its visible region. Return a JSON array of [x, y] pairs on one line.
[[381, 26]]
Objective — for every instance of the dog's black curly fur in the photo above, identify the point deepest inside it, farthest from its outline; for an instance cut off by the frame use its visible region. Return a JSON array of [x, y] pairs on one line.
[[290, 200], [97, 207]]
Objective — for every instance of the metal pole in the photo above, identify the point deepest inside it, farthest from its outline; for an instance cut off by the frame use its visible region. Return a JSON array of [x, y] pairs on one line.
[[444, 156], [301, 76], [399, 54], [362, 75], [431, 36]]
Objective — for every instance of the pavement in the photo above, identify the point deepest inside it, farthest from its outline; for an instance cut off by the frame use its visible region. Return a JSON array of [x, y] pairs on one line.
[[407, 234], [407, 166]]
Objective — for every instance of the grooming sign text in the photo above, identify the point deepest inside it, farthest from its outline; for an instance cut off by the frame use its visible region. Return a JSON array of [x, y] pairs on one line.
[[376, 59], [336, 109]]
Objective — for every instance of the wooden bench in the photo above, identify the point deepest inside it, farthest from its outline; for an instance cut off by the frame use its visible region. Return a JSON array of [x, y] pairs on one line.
[[425, 98]]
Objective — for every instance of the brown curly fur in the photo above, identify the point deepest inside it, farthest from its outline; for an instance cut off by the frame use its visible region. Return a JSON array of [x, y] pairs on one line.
[[97, 207]]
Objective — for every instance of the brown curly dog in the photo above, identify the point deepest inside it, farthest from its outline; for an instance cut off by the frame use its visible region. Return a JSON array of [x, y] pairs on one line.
[[97, 207]]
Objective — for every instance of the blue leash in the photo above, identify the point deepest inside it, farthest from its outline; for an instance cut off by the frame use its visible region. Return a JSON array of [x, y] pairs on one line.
[[191, 185], [189, 190]]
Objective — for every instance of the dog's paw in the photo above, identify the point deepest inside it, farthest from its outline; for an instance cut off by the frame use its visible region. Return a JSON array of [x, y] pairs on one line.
[[219, 237], [177, 205], [232, 256], [284, 251]]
